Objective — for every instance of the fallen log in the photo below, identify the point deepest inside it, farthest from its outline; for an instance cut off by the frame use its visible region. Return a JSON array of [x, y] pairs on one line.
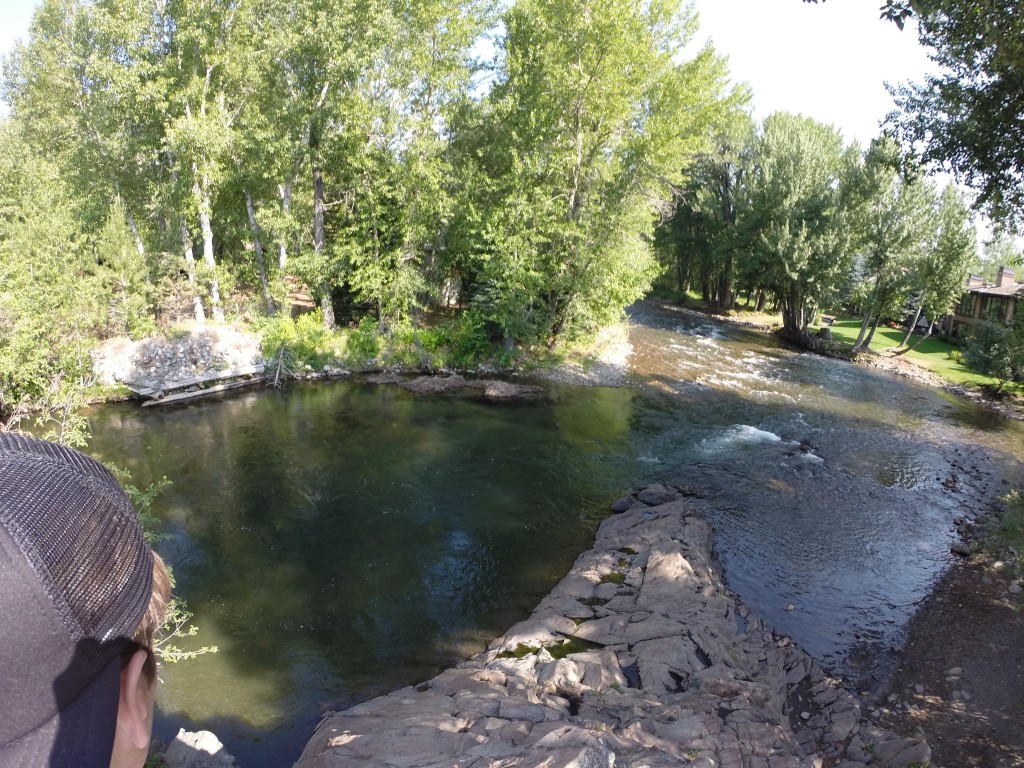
[[181, 396], [170, 386]]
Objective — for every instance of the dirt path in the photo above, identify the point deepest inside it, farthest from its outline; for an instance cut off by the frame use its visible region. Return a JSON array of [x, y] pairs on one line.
[[961, 678]]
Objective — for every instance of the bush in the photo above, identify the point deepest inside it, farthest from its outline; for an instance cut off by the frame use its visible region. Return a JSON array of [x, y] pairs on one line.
[[469, 341], [305, 339], [363, 341], [996, 351]]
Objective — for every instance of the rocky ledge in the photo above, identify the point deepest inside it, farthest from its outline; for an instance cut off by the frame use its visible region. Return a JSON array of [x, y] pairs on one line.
[[196, 354], [640, 656], [491, 389]]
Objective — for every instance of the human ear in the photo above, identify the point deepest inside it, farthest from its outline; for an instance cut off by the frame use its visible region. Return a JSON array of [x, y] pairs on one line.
[[135, 706]]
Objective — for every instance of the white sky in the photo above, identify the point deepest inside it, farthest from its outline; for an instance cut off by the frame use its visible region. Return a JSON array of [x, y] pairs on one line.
[[827, 61]]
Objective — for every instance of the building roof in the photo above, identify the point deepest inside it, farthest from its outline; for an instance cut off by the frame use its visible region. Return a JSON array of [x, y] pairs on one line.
[[1010, 289]]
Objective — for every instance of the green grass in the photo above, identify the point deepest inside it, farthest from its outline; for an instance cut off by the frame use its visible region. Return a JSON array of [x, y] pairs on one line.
[[932, 354]]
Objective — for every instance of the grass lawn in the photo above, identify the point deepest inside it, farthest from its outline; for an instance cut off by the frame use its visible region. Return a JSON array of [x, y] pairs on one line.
[[933, 354]]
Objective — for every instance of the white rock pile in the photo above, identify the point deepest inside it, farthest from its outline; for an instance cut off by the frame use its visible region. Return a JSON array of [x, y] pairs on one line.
[[640, 656], [196, 353]]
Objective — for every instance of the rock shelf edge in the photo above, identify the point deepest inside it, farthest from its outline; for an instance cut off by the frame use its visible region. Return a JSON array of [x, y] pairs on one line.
[[639, 657]]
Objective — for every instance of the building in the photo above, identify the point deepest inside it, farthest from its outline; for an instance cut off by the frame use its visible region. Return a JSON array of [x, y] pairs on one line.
[[983, 301]]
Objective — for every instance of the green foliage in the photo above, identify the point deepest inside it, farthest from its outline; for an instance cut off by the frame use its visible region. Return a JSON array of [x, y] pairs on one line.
[[563, 165], [793, 219], [303, 340], [124, 278], [1009, 534], [968, 118], [45, 294], [699, 241], [891, 215], [997, 351], [467, 339], [178, 623], [363, 341]]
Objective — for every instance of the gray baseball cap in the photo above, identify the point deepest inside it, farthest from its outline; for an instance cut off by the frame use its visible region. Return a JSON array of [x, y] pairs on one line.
[[76, 578]]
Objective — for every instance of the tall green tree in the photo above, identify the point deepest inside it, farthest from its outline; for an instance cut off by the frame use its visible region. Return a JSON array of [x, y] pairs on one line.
[[701, 233], [969, 118], [892, 223], [945, 266], [46, 304], [793, 219], [590, 122]]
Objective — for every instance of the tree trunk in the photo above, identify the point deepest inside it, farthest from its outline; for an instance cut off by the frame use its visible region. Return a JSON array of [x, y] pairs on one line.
[[285, 190], [190, 265], [859, 344], [206, 226], [261, 262], [868, 315], [794, 318], [762, 301], [726, 297], [874, 327], [320, 242], [139, 246], [912, 326], [931, 327]]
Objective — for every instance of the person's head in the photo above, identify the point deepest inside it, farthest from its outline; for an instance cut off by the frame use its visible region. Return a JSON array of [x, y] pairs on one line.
[[81, 595]]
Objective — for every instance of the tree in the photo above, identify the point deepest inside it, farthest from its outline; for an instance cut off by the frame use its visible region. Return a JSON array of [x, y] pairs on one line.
[[969, 119], [701, 231], [891, 218], [997, 351], [793, 219], [571, 154], [944, 268], [45, 299]]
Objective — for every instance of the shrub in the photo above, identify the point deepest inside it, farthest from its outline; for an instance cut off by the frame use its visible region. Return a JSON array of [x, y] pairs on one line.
[[363, 341], [304, 339], [996, 351]]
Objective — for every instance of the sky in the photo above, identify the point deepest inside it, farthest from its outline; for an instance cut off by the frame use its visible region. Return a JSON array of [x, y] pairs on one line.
[[827, 61]]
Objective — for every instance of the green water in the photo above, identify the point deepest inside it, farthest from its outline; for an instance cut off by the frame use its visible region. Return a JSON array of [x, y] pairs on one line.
[[344, 539]]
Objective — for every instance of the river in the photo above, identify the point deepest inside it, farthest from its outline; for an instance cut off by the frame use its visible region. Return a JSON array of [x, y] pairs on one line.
[[342, 539]]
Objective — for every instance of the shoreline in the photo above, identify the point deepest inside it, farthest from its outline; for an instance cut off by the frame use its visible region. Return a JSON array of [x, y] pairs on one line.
[[898, 366], [639, 656]]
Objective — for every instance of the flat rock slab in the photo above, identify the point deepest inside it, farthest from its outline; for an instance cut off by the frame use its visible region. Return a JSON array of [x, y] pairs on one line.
[[639, 657], [492, 389]]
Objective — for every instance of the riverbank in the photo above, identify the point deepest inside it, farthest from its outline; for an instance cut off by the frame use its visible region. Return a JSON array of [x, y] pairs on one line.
[[960, 679], [1011, 408], [639, 656]]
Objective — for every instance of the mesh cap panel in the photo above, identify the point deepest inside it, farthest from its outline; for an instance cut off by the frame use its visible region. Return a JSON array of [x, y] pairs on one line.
[[78, 531]]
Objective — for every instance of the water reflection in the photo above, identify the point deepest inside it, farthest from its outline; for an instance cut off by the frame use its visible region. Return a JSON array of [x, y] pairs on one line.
[[345, 539]]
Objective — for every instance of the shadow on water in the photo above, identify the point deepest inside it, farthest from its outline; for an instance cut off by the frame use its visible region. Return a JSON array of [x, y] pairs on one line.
[[343, 540], [346, 539]]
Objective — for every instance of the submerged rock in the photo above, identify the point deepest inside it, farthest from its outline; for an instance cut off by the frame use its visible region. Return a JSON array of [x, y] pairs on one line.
[[199, 749], [492, 389], [636, 658]]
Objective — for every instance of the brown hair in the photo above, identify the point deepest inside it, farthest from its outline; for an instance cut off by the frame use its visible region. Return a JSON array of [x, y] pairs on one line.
[[154, 617]]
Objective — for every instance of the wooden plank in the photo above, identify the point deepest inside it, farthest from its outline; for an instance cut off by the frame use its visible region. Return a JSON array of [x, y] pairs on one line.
[[170, 386], [181, 396]]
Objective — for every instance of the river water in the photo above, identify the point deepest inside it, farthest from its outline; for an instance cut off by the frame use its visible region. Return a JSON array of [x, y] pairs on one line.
[[342, 539]]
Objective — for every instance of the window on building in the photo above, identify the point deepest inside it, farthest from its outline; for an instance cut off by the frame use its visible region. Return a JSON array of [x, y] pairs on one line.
[[966, 306], [995, 309]]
